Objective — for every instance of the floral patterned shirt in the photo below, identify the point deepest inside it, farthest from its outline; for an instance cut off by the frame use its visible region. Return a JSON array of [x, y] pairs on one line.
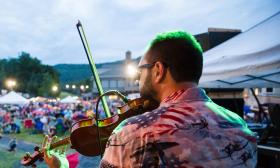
[[187, 130]]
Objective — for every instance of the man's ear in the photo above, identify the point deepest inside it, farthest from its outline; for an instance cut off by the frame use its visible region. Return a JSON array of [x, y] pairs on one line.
[[159, 72]]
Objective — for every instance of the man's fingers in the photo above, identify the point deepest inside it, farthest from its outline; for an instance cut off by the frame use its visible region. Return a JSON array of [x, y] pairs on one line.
[[46, 153], [52, 140], [46, 146], [46, 138]]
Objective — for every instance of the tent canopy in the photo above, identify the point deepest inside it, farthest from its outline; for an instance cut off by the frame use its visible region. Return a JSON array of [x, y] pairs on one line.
[[13, 98], [250, 59], [69, 99]]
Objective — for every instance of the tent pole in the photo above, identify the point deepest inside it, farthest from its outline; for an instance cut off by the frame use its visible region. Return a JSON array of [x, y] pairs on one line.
[[259, 105]]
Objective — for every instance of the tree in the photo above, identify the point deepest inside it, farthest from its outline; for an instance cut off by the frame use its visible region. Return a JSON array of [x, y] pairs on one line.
[[32, 76]]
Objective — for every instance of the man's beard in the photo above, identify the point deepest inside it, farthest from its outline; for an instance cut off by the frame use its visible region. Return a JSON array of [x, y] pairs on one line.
[[147, 91]]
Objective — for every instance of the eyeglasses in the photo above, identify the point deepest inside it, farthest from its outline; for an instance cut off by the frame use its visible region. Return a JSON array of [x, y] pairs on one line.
[[146, 66], [139, 68], [150, 65]]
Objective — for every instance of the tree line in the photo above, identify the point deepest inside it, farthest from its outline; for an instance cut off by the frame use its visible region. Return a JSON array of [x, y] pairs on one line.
[[31, 75]]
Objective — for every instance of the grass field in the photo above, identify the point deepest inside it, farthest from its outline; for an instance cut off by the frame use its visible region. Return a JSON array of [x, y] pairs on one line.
[[26, 135], [8, 159], [12, 160]]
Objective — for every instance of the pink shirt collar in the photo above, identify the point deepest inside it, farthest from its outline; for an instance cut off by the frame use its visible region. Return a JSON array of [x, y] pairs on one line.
[[190, 94]]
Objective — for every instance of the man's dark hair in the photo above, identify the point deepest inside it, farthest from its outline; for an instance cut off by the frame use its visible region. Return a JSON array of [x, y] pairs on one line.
[[180, 52]]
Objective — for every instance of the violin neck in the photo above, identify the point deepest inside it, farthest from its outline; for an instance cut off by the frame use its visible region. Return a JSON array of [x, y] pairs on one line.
[[64, 141]]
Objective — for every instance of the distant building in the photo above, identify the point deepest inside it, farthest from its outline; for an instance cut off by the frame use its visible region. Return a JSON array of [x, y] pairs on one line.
[[114, 75]]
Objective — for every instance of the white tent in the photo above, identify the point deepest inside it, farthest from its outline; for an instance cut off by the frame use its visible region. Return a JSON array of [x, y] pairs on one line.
[[69, 99], [13, 98], [250, 59]]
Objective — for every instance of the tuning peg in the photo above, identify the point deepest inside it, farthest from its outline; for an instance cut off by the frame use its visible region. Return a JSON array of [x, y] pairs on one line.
[[36, 148]]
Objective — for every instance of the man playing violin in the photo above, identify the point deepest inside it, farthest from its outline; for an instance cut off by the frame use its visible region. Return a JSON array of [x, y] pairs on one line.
[[187, 129]]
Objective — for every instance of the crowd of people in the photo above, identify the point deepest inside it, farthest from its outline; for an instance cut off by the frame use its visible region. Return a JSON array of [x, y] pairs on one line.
[[48, 117]]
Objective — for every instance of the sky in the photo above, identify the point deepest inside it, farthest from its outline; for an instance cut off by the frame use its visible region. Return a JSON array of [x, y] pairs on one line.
[[47, 28]]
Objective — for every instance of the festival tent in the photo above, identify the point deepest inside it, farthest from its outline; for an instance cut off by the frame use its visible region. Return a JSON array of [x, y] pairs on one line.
[[69, 99], [13, 98], [38, 99], [248, 60]]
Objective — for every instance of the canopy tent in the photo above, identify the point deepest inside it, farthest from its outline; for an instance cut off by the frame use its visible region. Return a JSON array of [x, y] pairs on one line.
[[13, 98], [250, 59], [38, 99], [69, 99]]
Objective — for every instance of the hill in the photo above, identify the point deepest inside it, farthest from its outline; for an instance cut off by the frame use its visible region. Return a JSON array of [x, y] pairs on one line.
[[70, 73]]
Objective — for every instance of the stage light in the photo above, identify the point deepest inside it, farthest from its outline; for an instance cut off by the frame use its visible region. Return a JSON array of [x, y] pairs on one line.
[[131, 70], [54, 88], [11, 83]]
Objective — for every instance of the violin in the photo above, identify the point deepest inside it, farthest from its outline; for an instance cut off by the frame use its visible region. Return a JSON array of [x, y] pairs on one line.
[[84, 135]]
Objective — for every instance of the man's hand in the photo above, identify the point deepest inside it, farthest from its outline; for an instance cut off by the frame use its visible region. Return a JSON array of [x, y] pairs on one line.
[[54, 158]]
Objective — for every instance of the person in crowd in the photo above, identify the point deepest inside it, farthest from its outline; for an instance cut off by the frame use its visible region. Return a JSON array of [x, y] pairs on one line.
[[38, 125], [7, 129], [7, 117], [68, 114], [15, 124], [45, 121], [60, 125], [12, 145], [1, 115], [187, 129], [52, 131]]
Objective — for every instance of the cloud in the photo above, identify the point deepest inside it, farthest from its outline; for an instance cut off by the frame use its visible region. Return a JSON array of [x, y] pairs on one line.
[[136, 6], [47, 29]]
